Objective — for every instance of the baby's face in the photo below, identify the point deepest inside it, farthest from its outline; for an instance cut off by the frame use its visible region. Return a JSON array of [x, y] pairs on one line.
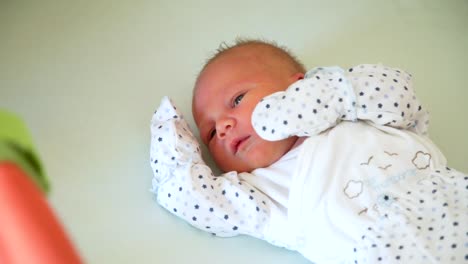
[[226, 94]]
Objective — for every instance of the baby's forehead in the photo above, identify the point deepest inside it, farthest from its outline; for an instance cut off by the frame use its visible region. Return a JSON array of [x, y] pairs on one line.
[[257, 52], [241, 58]]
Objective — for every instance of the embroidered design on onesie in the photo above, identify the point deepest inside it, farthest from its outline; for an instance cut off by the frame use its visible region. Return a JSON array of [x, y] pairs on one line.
[[353, 189], [391, 154], [368, 161], [421, 160], [385, 167], [363, 211]]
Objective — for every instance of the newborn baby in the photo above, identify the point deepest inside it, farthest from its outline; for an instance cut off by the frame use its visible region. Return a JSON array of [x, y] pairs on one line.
[[339, 166]]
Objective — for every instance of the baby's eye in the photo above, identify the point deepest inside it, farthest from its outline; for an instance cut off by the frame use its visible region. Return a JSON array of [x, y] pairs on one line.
[[237, 100], [212, 134]]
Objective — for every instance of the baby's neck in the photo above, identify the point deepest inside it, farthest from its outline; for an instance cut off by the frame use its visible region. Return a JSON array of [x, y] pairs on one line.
[[298, 142]]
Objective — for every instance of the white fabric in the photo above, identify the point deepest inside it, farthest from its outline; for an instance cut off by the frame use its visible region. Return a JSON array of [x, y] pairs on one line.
[[275, 182], [328, 95], [353, 187]]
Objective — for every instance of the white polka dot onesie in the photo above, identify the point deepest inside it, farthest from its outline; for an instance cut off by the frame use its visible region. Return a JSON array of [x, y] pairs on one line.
[[366, 186]]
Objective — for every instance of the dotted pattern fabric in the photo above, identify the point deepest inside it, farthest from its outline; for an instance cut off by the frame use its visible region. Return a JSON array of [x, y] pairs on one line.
[[329, 95], [185, 186], [377, 195], [427, 224]]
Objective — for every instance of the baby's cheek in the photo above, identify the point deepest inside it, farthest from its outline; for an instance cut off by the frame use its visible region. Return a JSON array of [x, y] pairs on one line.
[[267, 152], [219, 157], [226, 162]]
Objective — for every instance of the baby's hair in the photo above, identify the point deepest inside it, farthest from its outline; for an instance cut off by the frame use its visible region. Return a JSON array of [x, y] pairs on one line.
[[281, 51]]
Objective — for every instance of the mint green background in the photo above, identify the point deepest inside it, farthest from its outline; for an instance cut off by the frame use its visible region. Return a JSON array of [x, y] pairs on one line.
[[87, 75]]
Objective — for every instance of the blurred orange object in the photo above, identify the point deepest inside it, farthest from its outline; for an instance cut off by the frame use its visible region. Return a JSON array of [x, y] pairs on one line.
[[29, 229]]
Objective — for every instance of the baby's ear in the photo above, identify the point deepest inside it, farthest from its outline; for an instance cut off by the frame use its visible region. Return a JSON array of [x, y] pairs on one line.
[[297, 76]]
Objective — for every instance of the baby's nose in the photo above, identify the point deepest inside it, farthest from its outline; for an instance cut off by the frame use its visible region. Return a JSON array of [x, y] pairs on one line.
[[224, 126]]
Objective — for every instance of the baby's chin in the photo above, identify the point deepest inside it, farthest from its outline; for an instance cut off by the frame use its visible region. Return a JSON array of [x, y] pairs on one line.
[[237, 168], [248, 166], [258, 154]]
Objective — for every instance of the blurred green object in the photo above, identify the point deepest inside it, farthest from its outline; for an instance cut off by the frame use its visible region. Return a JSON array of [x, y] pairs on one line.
[[16, 146]]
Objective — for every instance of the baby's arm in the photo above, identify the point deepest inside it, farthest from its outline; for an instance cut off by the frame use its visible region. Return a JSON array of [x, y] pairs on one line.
[[326, 96], [223, 205]]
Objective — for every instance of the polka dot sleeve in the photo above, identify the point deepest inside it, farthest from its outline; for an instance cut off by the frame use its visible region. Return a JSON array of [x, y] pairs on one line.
[[328, 95], [222, 205]]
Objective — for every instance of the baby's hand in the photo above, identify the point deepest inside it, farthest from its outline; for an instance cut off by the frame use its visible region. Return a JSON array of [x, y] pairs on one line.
[[187, 187], [308, 107], [327, 96], [172, 141]]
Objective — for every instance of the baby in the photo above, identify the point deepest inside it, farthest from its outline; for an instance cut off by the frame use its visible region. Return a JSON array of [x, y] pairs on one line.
[[333, 164]]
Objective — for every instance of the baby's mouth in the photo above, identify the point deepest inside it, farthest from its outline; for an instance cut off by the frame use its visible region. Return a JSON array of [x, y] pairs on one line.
[[237, 144]]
